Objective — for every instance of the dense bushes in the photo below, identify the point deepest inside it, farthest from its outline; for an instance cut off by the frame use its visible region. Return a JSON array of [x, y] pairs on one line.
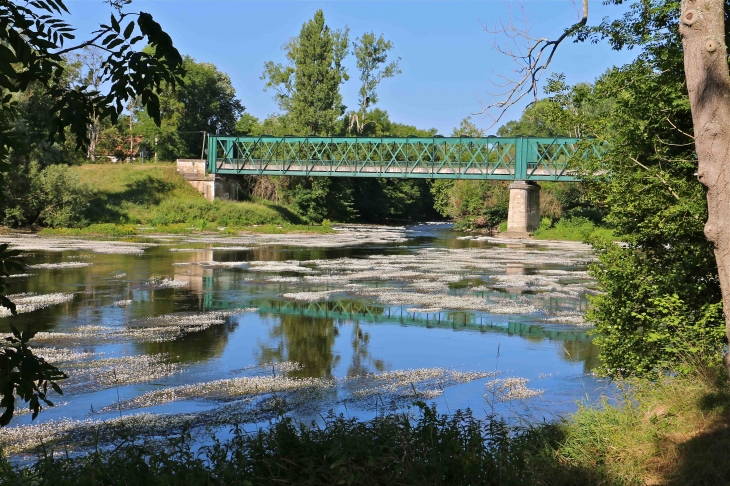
[[51, 196]]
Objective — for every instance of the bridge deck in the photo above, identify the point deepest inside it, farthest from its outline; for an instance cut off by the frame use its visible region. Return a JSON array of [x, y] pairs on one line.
[[520, 158]]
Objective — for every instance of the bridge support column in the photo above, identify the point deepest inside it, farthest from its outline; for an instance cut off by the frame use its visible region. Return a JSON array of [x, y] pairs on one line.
[[210, 186], [524, 209]]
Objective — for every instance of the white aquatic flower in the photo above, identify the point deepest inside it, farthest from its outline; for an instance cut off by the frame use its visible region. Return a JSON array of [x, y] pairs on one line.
[[506, 389], [32, 302], [277, 279], [274, 266], [61, 265], [165, 283], [222, 264], [62, 355], [309, 296], [122, 303]]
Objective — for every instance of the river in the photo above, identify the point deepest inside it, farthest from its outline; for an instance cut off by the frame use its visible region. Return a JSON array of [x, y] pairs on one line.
[[213, 328]]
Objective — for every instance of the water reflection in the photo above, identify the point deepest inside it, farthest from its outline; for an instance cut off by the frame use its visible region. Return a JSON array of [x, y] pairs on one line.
[[345, 334], [302, 339]]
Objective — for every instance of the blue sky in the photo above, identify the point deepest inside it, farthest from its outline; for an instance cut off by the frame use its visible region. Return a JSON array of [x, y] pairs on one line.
[[448, 61]]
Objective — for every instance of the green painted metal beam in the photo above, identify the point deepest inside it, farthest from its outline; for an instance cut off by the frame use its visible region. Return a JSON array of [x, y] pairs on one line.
[[496, 158]]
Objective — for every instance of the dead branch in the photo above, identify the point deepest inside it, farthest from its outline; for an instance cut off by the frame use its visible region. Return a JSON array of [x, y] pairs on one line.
[[532, 57], [663, 181], [680, 131]]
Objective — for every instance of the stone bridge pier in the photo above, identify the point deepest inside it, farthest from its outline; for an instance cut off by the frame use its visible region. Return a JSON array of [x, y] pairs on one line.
[[524, 209], [211, 186]]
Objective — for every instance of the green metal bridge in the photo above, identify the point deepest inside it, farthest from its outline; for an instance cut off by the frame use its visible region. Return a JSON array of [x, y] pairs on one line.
[[496, 158]]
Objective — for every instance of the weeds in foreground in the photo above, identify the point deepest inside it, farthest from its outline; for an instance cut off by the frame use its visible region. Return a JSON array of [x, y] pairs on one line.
[[671, 431]]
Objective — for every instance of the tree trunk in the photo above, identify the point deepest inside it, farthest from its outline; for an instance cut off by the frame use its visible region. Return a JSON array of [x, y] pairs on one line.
[[702, 26]]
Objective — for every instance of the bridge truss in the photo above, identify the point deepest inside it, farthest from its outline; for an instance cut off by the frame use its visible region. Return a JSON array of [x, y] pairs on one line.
[[497, 158]]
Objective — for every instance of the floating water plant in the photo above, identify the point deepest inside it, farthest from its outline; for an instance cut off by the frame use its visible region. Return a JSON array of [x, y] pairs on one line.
[[32, 302], [507, 389], [61, 265]]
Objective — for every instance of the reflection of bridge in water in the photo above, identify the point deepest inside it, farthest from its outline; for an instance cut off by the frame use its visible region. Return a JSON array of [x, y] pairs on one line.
[[445, 319]]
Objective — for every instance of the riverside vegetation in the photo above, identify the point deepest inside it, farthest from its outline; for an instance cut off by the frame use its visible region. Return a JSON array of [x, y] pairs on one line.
[[659, 321]]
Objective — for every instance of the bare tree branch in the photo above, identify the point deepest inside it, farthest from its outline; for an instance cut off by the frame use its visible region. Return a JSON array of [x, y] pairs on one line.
[[680, 131], [663, 181], [531, 55]]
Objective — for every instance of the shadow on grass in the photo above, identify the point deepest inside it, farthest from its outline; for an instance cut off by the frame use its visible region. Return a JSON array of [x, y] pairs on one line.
[[705, 458], [286, 214], [147, 191]]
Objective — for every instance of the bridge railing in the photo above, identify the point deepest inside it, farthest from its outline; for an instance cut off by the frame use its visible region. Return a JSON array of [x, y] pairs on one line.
[[520, 158]]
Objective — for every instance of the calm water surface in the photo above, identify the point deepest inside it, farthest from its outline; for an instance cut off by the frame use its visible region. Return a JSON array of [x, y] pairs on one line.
[[361, 323]]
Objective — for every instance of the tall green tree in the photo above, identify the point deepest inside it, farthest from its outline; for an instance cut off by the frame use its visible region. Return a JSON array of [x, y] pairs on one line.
[[371, 54], [661, 301], [308, 88]]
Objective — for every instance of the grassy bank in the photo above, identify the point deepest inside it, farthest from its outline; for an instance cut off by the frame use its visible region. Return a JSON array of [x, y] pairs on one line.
[[667, 431], [155, 195]]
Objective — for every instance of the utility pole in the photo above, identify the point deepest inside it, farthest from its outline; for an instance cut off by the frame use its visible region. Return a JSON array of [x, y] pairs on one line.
[[131, 135]]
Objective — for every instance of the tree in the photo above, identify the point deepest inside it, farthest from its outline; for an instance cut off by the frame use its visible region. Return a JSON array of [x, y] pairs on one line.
[[89, 64], [371, 54], [695, 34], [704, 37], [308, 88], [32, 50], [205, 102]]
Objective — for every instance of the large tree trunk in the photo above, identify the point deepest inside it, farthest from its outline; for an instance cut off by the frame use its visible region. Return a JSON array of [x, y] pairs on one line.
[[702, 26]]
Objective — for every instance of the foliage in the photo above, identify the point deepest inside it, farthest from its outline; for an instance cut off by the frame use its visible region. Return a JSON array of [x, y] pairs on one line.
[[572, 229], [33, 48], [309, 87], [386, 450], [32, 45], [222, 213], [97, 229], [371, 53], [467, 128], [51, 196], [205, 102], [156, 194], [26, 375], [22, 373], [657, 206]]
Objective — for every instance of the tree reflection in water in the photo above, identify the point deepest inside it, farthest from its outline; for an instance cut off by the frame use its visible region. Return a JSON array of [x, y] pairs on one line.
[[310, 341], [306, 340]]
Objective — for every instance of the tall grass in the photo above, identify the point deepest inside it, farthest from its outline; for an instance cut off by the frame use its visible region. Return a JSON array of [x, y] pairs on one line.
[[671, 430]]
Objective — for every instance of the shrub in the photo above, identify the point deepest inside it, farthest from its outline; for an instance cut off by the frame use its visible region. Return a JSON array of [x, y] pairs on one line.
[[51, 196]]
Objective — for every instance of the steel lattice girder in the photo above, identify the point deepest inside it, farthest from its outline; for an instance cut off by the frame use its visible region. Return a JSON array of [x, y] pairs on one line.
[[520, 158]]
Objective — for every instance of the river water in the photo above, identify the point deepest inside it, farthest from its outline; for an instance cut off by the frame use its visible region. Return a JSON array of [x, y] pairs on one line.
[[177, 327]]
